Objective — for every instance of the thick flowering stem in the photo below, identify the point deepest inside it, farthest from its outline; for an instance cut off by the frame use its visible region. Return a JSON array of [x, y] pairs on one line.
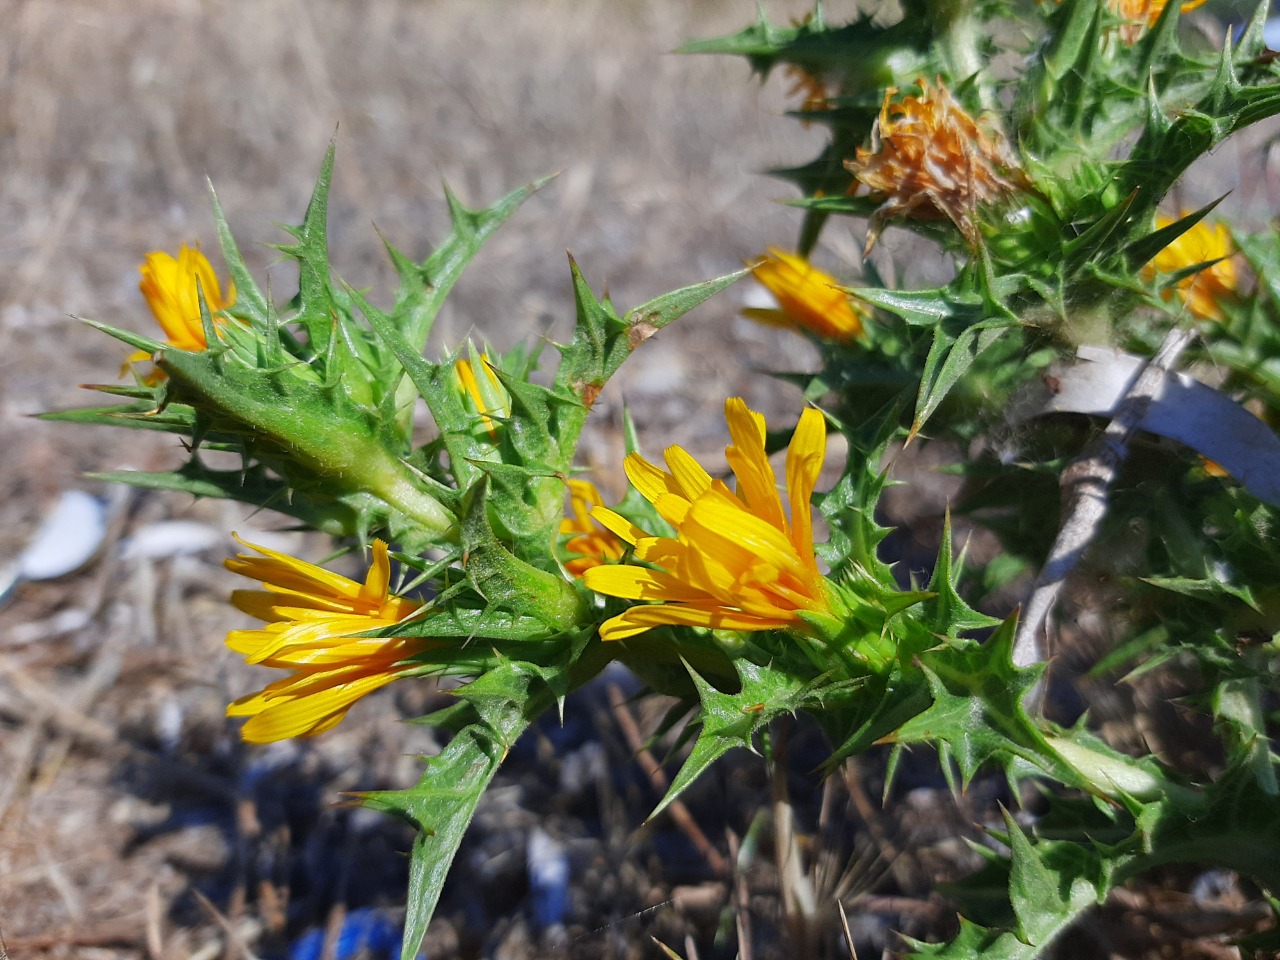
[[395, 485], [1118, 777], [291, 417]]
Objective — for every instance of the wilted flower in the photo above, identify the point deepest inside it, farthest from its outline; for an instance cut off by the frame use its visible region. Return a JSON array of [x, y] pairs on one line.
[[1204, 291], [172, 288], [806, 297], [591, 544], [930, 159], [737, 561], [1141, 15], [480, 385], [311, 615]]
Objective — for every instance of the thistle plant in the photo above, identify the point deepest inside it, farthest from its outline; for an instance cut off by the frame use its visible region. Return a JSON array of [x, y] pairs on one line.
[[718, 584]]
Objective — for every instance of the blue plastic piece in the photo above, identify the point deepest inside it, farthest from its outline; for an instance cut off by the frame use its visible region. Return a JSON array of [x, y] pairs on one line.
[[366, 931]]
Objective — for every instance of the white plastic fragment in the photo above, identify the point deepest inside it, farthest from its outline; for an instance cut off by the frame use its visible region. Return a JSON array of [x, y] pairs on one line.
[[171, 538], [547, 863], [1183, 409], [67, 539]]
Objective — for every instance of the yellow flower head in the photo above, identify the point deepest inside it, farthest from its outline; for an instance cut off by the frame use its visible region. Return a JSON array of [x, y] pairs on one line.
[[591, 544], [1204, 291], [806, 297], [311, 615], [481, 386], [932, 160], [737, 561], [171, 287], [1141, 15]]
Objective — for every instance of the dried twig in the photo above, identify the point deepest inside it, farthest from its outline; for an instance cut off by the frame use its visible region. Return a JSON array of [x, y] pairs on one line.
[[155, 920], [741, 899], [117, 934], [679, 812], [238, 936], [1084, 492], [799, 903]]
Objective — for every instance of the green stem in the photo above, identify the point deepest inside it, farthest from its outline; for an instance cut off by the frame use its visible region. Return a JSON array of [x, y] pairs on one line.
[[1116, 778], [403, 494], [1240, 701]]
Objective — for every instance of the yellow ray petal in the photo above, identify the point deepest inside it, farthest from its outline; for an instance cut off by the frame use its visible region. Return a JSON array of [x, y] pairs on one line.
[[639, 619], [688, 477], [805, 456], [639, 583], [618, 524]]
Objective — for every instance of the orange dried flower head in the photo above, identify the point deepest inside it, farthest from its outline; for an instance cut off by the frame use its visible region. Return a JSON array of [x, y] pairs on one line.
[[311, 615], [807, 297], [737, 561], [1202, 292], [930, 160], [590, 543], [1141, 15]]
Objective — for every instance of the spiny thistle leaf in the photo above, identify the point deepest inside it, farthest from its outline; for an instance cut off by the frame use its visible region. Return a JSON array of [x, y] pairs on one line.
[[175, 418], [1047, 895], [950, 357], [1140, 251], [945, 612], [508, 582], [730, 720], [849, 509], [251, 304], [135, 340], [444, 801], [315, 312], [923, 308], [424, 286], [602, 340], [977, 713], [255, 486]]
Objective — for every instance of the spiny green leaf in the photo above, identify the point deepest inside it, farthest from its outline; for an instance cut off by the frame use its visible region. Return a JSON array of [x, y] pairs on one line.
[[508, 582], [424, 286], [250, 302], [315, 312], [922, 308], [602, 340], [945, 612], [174, 418], [444, 801], [729, 720], [1140, 251], [1047, 897], [135, 340], [950, 357], [252, 485], [977, 714]]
